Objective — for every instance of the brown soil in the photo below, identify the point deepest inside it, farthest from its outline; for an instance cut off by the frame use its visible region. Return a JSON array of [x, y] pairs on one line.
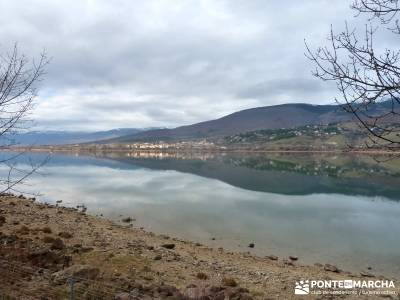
[[41, 245]]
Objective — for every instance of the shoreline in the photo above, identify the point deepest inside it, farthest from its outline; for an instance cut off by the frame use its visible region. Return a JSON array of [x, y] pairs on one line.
[[158, 260], [200, 150]]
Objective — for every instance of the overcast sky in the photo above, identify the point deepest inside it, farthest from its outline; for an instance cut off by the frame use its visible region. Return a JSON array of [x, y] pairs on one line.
[[167, 63]]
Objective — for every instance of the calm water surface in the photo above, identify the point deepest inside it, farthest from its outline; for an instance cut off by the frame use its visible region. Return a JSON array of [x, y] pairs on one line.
[[343, 210]]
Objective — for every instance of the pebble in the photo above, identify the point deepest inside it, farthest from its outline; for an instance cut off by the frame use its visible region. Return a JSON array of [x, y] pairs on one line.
[[168, 246], [331, 268], [272, 257]]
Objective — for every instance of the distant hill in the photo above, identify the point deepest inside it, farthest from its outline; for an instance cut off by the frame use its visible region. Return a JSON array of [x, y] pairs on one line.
[[68, 137], [268, 117]]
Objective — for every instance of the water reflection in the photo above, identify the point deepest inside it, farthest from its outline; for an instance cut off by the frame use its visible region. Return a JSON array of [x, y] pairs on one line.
[[284, 174], [342, 210]]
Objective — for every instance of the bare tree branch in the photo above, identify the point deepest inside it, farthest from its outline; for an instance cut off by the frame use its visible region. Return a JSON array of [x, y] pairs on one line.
[[368, 80], [18, 89]]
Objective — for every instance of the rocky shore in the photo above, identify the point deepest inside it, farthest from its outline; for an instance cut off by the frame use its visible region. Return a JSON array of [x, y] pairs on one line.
[[43, 247]]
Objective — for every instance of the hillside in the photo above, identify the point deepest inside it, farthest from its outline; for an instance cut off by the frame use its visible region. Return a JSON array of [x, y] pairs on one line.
[[268, 117], [323, 137]]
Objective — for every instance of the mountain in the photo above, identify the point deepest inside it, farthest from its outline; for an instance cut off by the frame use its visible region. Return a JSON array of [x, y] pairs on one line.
[[68, 137], [268, 117]]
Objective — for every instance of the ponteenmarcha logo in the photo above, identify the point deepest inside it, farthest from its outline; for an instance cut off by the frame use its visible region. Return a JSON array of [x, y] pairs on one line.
[[345, 287], [302, 287]]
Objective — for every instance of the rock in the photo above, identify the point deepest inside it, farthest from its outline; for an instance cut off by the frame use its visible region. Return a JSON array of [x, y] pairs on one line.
[[157, 257], [2, 220], [59, 201], [318, 265], [192, 292], [77, 272], [213, 239], [168, 246], [272, 257], [228, 281], [202, 276], [46, 229], [331, 268], [45, 258], [122, 296], [288, 262], [48, 239], [65, 235], [291, 257], [366, 274], [57, 244], [127, 220], [86, 249], [166, 291], [251, 245], [23, 230]]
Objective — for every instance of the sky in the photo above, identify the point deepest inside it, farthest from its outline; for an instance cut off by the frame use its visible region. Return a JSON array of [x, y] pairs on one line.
[[166, 63]]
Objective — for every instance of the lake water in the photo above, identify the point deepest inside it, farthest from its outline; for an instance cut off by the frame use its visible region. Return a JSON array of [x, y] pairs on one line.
[[339, 209]]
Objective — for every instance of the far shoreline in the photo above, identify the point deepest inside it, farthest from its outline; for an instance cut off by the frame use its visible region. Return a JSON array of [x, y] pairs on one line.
[[76, 149]]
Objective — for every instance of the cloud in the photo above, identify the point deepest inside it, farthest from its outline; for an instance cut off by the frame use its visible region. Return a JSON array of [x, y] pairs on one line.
[[168, 63]]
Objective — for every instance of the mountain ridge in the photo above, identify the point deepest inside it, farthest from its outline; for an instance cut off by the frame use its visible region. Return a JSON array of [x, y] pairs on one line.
[[60, 137], [287, 115]]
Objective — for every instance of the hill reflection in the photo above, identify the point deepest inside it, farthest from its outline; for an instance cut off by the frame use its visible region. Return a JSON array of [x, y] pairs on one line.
[[291, 174]]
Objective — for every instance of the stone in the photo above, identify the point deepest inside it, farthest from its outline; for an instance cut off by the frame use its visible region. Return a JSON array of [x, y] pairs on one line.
[[46, 229], [288, 262], [78, 272], [48, 239], [272, 257], [366, 274], [2, 220], [86, 249], [291, 257], [331, 268], [128, 220], [202, 276], [23, 230], [65, 235], [228, 281], [45, 258], [251, 245], [168, 246], [122, 296], [157, 257], [57, 244], [318, 265]]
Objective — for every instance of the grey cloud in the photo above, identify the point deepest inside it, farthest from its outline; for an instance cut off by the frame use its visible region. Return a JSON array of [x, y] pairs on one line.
[[154, 63], [291, 87]]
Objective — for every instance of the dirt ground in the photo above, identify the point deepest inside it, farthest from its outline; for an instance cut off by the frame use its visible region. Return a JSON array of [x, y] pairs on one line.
[[43, 247]]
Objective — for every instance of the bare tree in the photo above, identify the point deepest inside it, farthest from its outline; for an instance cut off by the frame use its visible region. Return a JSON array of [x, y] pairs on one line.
[[368, 78], [18, 89]]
